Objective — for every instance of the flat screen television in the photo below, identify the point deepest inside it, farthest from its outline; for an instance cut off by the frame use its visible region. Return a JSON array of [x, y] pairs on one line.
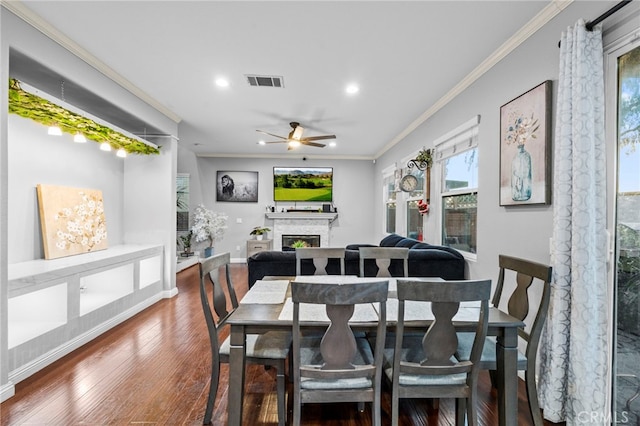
[[303, 184]]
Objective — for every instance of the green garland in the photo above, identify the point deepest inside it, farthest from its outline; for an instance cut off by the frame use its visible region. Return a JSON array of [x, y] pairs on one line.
[[44, 112]]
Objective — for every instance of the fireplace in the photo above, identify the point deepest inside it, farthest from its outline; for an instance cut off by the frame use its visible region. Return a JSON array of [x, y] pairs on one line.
[[309, 240]]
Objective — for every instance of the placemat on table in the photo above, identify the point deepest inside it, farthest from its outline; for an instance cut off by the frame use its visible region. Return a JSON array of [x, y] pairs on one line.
[[271, 292], [312, 312]]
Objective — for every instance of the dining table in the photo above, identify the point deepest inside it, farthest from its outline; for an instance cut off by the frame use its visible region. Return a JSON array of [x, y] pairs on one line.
[[267, 307]]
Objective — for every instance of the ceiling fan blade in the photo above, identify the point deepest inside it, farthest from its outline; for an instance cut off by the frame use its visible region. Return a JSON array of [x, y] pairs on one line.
[[271, 134], [285, 141], [319, 138], [306, 142]]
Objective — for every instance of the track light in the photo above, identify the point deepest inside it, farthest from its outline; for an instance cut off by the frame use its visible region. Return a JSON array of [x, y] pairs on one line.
[[79, 137], [121, 153], [54, 130], [104, 146]]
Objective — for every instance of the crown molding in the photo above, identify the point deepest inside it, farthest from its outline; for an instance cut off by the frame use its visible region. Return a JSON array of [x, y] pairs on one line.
[[18, 8], [530, 28], [288, 156]]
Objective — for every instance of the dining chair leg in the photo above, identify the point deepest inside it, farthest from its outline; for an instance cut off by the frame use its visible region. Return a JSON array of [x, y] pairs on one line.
[[532, 396], [375, 407], [472, 410], [213, 390], [461, 412], [361, 406], [296, 407], [394, 409], [281, 394]]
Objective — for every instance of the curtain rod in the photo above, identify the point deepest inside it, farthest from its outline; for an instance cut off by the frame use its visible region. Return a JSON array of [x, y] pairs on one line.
[[589, 25]]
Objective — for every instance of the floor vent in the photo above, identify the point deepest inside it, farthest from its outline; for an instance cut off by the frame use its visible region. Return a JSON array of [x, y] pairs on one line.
[[265, 80]]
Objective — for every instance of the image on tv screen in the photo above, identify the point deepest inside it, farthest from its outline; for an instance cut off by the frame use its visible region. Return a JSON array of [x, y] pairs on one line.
[[303, 184]]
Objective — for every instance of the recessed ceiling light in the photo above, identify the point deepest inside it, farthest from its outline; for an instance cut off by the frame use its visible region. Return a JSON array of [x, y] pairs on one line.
[[222, 82], [352, 89]]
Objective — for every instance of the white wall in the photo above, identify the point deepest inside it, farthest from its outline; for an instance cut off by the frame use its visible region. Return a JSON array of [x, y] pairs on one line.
[[518, 231], [93, 171], [37, 158], [353, 194], [6, 388]]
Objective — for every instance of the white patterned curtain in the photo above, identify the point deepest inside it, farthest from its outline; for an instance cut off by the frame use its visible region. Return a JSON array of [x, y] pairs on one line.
[[574, 367]]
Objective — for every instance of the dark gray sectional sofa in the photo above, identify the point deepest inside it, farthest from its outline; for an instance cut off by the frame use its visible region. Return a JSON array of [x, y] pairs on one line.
[[425, 260]]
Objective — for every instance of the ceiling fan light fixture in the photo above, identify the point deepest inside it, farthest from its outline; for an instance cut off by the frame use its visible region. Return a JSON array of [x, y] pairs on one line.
[[297, 132], [294, 144], [261, 142], [332, 144]]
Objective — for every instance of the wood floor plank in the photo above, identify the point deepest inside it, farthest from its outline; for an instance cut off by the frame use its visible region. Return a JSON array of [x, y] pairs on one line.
[[155, 369]]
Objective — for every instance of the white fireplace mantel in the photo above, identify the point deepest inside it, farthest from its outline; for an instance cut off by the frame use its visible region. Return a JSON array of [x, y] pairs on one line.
[[303, 223], [302, 215]]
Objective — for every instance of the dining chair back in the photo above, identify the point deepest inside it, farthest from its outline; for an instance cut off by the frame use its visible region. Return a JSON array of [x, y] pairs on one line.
[[338, 366], [218, 303], [320, 257], [425, 366], [384, 257], [531, 283]]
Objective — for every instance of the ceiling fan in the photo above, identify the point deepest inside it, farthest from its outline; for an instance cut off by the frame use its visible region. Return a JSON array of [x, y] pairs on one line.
[[295, 139]]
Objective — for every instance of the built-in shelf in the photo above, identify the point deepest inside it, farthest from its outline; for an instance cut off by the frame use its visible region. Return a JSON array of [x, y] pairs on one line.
[[34, 314], [303, 215], [55, 305]]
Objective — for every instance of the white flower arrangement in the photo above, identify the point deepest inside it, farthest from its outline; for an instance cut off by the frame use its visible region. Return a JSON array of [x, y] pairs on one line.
[[208, 225]]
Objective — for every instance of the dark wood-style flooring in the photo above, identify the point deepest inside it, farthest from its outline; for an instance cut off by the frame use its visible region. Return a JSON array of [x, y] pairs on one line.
[[154, 369]]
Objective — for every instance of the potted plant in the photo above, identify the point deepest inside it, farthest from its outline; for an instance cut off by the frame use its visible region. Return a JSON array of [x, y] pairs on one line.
[[208, 226], [186, 243], [259, 232], [299, 244]]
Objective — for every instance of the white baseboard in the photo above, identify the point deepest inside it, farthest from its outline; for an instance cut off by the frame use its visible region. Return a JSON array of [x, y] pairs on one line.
[[168, 294], [238, 260], [7, 391], [41, 362]]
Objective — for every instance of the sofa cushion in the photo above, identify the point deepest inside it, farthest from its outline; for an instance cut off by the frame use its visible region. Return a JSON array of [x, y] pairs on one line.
[[390, 240]]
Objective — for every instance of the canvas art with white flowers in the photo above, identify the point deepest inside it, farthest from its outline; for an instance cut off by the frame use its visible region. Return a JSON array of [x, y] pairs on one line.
[[72, 220]]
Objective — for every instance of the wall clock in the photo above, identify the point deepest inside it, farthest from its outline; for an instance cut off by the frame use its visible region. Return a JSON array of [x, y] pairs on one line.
[[409, 183]]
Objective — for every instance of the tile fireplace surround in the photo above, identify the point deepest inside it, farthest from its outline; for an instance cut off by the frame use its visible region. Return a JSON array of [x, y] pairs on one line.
[[301, 223]]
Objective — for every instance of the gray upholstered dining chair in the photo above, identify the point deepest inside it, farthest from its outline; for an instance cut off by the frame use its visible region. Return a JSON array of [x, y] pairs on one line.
[[525, 276], [425, 366], [269, 349], [338, 366], [383, 257], [320, 257]]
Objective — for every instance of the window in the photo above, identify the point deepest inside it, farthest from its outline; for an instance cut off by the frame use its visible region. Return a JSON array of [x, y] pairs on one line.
[[182, 200], [414, 218], [390, 182], [457, 166]]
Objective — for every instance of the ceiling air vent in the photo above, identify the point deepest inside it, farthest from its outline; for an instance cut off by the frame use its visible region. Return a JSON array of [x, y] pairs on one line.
[[265, 80]]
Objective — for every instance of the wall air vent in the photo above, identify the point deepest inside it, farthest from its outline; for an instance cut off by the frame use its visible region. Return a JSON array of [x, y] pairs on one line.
[[265, 80]]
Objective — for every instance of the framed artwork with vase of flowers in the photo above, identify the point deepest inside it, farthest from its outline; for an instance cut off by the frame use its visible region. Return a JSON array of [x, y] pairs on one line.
[[525, 148]]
